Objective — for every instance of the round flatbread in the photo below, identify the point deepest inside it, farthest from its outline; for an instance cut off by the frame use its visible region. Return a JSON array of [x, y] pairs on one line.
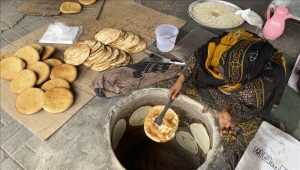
[[70, 7], [87, 2], [77, 54], [107, 35], [167, 130], [96, 56], [122, 58], [47, 52], [139, 115], [89, 43], [64, 71], [134, 42], [28, 54], [129, 38], [200, 134], [10, 67], [141, 46], [118, 132], [42, 71], [96, 47], [23, 80], [29, 101], [38, 48], [122, 36], [187, 141], [6, 55], [107, 55], [56, 82], [114, 55], [100, 66], [57, 100], [52, 62]]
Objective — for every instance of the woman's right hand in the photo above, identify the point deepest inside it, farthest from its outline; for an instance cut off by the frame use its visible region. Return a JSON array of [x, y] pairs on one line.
[[176, 88]]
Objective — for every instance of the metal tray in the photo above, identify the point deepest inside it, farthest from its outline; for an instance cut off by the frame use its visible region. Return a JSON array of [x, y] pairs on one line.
[[224, 2]]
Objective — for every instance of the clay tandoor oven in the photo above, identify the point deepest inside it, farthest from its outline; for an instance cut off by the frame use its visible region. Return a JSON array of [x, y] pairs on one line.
[[131, 149]]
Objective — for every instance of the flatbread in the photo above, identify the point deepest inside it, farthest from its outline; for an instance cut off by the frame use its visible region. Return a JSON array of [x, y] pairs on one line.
[[10, 67], [42, 71], [122, 58], [52, 62], [129, 38], [100, 66], [118, 132], [56, 82], [57, 100], [89, 43], [47, 52], [23, 80], [200, 134], [106, 56], [96, 56], [96, 47], [38, 47], [141, 46], [29, 101], [134, 42], [70, 7], [167, 130], [187, 141], [139, 115], [28, 54], [114, 55], [77, 54], [107, 35], [122, 36], [87, 2], [64, 71]]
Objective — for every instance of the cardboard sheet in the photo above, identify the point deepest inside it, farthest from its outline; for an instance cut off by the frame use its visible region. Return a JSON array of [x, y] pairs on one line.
[[51, 8], [42, 124], [131, 17]]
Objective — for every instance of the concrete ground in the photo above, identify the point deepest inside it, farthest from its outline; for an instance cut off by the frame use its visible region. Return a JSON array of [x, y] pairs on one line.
[[75, 145]]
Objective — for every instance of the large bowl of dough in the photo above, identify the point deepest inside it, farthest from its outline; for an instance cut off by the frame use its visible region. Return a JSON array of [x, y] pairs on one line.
[[216, 14]]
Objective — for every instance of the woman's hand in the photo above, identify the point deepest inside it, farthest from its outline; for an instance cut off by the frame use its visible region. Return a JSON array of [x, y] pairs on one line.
[[176, 88], [226, 122]]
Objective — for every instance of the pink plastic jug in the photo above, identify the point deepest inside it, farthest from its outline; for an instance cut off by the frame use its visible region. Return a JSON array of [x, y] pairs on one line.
[[274, 26]]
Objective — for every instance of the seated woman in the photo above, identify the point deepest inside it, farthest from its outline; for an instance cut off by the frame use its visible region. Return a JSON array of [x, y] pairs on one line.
[[241, 76], [238, 74]]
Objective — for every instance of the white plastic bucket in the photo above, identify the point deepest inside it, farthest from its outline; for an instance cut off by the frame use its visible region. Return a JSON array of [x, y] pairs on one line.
[[166, 35]]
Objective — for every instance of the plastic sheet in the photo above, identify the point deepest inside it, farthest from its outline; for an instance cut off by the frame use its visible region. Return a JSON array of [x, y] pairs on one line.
[[61, 33]]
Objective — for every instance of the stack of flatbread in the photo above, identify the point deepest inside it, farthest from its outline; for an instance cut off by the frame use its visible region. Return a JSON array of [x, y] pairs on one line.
[[123, 40], [38, 79], [96, 55]]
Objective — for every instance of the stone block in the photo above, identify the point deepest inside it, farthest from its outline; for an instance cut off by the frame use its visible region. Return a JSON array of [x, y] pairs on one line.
[[35, 25], [11, 38], [10, 164], [10, 31], [24, 22], [17, 140], [22, 32], [9, 130], [5, 117], [25, 157], [3, 155]]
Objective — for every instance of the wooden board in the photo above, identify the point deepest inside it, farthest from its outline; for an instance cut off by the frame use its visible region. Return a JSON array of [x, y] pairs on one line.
[[51, 8], [131, 17]]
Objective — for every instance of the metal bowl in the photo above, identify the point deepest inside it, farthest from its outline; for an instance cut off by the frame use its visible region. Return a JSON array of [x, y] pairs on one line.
[[224, 2]]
